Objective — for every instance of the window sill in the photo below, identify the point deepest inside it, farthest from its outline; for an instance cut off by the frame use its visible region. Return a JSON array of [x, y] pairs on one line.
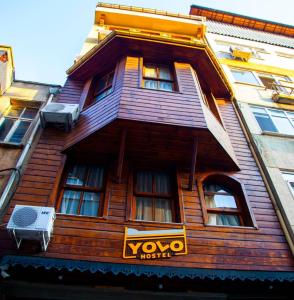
[[156, 90], [250, 84], [278, 134], [231, 227], [163, 224], [78, 217], [12, 145]]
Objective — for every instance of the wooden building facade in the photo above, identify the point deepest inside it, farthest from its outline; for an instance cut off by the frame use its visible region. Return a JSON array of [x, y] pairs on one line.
[[158, 148]]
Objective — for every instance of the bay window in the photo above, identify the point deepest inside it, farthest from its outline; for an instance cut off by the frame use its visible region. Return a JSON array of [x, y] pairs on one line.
[[158, 77]]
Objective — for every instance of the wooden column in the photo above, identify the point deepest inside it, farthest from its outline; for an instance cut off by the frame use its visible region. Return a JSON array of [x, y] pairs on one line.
[[121, 154], [193, 164]]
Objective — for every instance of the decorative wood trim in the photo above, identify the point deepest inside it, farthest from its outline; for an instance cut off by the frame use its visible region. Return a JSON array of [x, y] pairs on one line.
[[193, 164], [121, 155], [52, 201], [129, 204], [180, 197], [85, 93]]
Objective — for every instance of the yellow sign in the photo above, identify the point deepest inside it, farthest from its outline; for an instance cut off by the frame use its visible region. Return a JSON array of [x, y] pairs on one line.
[[155, 244]]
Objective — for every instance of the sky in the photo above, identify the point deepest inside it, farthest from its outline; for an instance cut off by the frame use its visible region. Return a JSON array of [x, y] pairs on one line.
[[46, 35]]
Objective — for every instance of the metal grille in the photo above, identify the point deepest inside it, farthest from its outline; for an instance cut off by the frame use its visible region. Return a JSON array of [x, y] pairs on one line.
[[25, 217]]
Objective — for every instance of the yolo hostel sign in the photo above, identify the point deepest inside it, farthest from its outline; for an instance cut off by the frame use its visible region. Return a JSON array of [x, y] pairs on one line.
[[155, 244]]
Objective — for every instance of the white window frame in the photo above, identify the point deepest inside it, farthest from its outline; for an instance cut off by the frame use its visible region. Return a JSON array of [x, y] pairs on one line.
[[254, 50], [289, 178], [270, 116], [256, 76], [17, 121]]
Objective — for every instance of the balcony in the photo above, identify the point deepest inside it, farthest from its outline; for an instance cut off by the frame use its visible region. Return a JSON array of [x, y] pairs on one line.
[[283, 93]]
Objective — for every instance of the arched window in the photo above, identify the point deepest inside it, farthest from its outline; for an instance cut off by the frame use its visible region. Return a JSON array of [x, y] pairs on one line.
[[224, 202]]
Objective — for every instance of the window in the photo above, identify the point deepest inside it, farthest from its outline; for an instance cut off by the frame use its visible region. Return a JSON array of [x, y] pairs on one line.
[[158, 77], [224, 202], [274, 82], [153, 197], [274, 120], [224, 50], [103, 86], [15, 123], [244, 76], [289, 178], [83, 190]]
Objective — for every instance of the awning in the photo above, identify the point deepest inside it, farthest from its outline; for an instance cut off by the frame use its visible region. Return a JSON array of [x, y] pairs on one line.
[[143, 270]]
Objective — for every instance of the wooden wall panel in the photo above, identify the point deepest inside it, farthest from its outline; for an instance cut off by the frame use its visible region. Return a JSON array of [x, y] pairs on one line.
[[96, 239], [183, 108]]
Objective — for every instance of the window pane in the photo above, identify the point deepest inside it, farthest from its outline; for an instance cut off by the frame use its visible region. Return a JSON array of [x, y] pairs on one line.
[[70, 202], [95, 177], [244, 76], [162, 183], [222, 219], [163, 211], [30, 113], [165, 86], [144, 209], [215, 188], [76, 175], [90, 204], [100, 85], [224, 55], [150, 71], [20, 132], [283, 125], [150, 84], [144, 181], [164, 73], [110, 78], [265, 122], [103, 94], [277, 113], [292, 186], [15, 112], [5, 127], [220, 201]]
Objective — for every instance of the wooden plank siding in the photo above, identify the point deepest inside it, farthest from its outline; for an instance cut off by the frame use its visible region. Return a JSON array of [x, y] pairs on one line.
[[101, 239]]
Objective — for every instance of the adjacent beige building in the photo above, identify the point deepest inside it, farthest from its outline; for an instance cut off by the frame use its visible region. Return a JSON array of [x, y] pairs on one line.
[[258, 59], [20, 102]]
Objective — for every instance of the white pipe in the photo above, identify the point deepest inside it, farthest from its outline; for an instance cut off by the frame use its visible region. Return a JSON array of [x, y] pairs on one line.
[[9, 186]]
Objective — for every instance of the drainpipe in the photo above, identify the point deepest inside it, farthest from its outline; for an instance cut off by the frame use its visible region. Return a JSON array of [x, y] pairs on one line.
[[264, 174], [15, 175]]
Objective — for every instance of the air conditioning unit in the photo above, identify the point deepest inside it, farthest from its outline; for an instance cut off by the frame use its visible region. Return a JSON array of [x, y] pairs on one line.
[[59, 113], [241, 52], [32, 223]]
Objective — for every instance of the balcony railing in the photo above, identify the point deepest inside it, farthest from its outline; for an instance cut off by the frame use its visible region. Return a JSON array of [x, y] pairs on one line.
[[283, 93]]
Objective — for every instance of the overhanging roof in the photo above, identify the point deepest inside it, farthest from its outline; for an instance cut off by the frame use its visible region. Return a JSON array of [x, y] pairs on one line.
[[243, 21], [144, 270]]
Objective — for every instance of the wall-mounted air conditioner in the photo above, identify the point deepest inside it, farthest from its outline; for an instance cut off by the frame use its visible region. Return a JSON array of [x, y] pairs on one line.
[[59, 113], [241, 52], [32, 223]]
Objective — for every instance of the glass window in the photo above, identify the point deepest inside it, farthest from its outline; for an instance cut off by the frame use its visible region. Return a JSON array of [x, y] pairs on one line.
[[103, 86], [158, 77], [153, 197], [244, 76], [274, 120], [221, 205], [289, 178], [15, 123], [83, 190]]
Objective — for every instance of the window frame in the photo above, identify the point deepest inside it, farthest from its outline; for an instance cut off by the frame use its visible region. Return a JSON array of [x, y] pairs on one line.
[[269, 114], [103, 201], [256, 74], [108, 87], [169, 66], [176, 205], [247, 219], [17, 120], [286, 174]]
